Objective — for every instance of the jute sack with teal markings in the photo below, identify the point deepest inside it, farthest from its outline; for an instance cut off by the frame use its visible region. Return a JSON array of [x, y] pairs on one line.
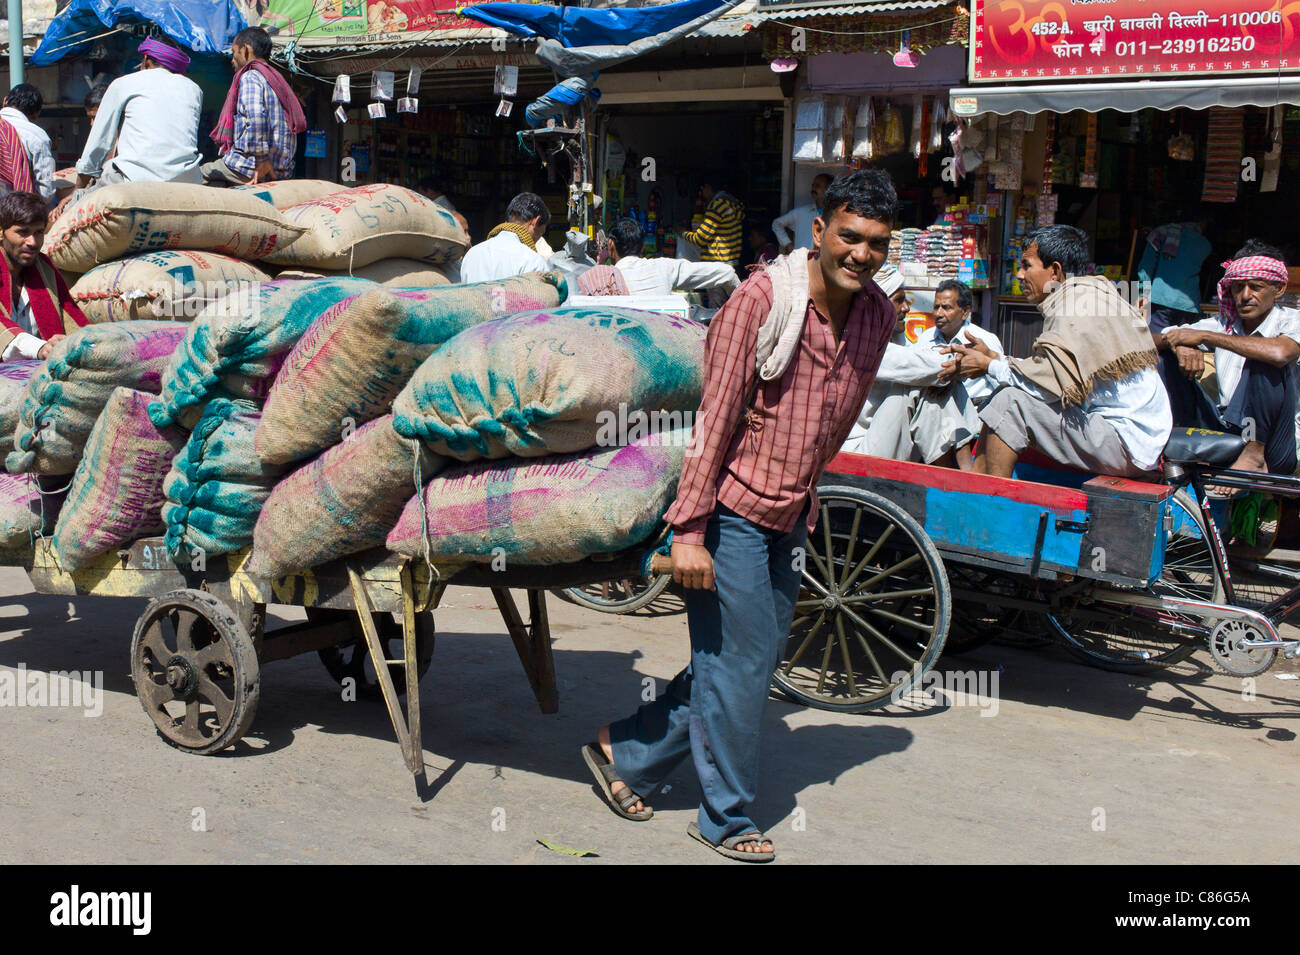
[[217, 486], [283, 193], [172, 285], [550, 510], [237, 345], [548, 382], [344, 502], [350, 364], [391, 273], [131, 217], [14, 376], [63, 400], [117, 490]]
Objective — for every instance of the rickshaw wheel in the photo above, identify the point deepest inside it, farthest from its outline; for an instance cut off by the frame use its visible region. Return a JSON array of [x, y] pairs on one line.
[[195, 671], [626, 595], [975, 623], [353, 659], [1103, 638], [873, 612]]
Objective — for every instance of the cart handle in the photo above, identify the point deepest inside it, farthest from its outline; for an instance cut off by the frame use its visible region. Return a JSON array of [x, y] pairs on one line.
[[661, 564]]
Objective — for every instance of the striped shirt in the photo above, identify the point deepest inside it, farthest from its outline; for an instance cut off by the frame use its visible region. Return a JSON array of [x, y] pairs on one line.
[[261, 130], [719, 235], [768, 469]]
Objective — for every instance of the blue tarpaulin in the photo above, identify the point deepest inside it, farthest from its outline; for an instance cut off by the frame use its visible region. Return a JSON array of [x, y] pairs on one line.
[[577, 40], [202, 26]]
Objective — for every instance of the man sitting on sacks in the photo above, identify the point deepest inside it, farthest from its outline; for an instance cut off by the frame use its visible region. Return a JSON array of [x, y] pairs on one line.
[[1090, 396], [909, 414], [1256, 346], [36, 309], [510, 248]]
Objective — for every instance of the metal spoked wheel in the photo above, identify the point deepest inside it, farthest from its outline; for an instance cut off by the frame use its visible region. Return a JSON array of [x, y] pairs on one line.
[[873, 612], [625, 595], [195, 671], [1106, 637], [353, 659]]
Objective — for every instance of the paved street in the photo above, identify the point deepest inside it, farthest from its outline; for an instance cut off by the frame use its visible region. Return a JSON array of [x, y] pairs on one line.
[[1077, 765]]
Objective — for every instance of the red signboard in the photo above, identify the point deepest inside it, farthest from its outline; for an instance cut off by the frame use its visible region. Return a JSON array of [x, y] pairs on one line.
[[1043, 40]]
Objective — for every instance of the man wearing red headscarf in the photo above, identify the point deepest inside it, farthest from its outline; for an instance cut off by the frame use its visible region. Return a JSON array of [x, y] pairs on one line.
[[1256, 345]]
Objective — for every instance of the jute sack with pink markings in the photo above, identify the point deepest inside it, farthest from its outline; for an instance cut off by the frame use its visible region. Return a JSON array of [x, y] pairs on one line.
[[14, 376], [174, 284], [391, 273], [284, 193], [132, 217], [20, 511], [550, 510], [349, 365], [117, 490], [344, 502]]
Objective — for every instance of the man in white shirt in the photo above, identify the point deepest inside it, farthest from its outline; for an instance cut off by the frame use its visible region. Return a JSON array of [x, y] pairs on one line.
[[510, 248], [794, 229], [1256, 346], [1090, 397], [153, 117], [908, 416], [662, 276], [21, 107]]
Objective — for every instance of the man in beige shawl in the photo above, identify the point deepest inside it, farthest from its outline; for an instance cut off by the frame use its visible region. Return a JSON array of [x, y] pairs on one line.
[[1089, 397]]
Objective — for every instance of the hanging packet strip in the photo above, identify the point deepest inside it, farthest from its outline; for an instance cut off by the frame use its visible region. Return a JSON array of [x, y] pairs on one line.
[[408, 104], [381, 85], [413, 81], [342, 89]]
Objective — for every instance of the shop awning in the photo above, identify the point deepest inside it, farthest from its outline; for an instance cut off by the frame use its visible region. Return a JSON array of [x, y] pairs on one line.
[[203, 26], [1127, 97]]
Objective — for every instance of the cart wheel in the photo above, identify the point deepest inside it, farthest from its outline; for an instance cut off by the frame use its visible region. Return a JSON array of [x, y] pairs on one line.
[[195, 671], [618, 596], [1106, 638], [874, 608], [353, 659]]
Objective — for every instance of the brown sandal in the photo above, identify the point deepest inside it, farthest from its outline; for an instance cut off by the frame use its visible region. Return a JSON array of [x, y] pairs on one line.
[[606, 777]]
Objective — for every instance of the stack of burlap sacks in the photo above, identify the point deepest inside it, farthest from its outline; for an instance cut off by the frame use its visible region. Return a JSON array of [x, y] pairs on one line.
[[319, 418]]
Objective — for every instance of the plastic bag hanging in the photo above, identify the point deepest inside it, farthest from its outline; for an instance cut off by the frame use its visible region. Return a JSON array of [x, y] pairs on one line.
[[834, 136], [863, 125], [809, 118], [938, 116], [918, 109]]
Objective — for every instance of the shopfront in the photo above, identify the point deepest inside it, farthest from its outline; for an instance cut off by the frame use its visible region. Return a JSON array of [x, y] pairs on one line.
[[1122, 119]]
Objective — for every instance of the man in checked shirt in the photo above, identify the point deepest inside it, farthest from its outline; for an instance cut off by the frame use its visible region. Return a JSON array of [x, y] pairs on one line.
[[745, 504]]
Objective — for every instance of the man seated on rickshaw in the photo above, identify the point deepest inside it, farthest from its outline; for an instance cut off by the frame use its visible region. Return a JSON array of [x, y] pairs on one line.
[[1089, 397], [895, 422], [1256, 345]]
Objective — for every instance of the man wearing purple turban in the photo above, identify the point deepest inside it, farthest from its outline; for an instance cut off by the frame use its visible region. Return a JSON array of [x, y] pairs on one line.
[[152, 115]]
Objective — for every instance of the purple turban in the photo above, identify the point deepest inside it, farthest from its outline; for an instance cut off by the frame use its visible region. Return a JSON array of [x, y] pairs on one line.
[[168, 56]]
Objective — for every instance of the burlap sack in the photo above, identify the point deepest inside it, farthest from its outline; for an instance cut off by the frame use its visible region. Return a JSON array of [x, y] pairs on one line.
[[131, 217], [350, 365], [216, 486], [117, 490], [353, 228], [344, 502], [551, 510], [173, 285], [63, 400], [237, 345], [284, 193], [20, 511], [392, 273], [546, 382], [14, 376]]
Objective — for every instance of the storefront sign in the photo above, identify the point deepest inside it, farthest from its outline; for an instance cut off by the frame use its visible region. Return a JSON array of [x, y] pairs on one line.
[[1036, 40], [361, 18]]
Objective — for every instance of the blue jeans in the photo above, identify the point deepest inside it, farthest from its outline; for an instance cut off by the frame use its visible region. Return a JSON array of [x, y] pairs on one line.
[[713, 709]]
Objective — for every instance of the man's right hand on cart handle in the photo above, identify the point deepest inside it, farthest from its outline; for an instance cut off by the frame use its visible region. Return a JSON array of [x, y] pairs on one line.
[[692, 566]]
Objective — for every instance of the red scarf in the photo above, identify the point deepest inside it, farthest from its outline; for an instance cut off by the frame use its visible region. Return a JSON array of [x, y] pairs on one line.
[[39, 279], [15, 167], [224, 133]]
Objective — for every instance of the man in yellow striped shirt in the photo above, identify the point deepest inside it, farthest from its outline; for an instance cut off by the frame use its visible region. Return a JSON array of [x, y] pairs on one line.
[[719, 236]]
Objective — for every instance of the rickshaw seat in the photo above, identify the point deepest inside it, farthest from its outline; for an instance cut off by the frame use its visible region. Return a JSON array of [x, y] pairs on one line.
[[1199, 446]]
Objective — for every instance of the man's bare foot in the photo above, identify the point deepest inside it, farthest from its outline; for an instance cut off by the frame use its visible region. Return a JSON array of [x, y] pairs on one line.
[[753, 845], [1250, 459], [602, 739]]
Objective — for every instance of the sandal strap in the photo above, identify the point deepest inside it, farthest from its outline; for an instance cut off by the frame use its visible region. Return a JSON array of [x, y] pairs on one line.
[[628, 798], [734, 842]]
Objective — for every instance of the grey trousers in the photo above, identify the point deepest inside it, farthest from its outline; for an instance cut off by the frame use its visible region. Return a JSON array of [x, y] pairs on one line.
[[217, 173], [921, 424], [1086, 442]]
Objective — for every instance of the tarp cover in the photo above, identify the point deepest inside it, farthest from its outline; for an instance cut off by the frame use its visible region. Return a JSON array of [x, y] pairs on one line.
[[203, 26], [578, 40]]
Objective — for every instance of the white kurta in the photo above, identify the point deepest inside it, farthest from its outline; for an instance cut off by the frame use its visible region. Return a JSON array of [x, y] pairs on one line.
[[662, 276], [499, 257], [795, 226], [153, 117]]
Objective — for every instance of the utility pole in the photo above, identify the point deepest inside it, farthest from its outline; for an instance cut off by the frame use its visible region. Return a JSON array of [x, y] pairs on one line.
[[15, 42]]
